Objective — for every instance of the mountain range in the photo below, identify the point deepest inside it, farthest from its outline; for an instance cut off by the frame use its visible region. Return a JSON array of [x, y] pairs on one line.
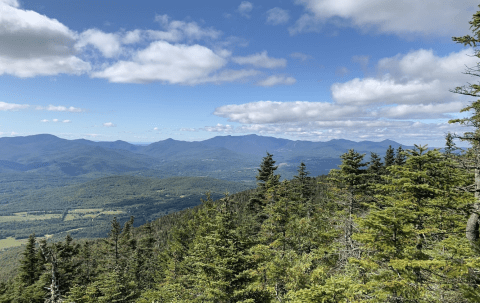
[[233, 158]]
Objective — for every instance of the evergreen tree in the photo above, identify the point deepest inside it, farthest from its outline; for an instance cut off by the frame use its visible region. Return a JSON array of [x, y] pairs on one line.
[[375, 168], [389, 158], [400, 156], [114, 239], [266, 169], [351, 181], [418, 211], [29, 268], [473, 121]]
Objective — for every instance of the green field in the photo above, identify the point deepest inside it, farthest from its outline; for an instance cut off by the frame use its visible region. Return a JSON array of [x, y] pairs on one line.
[[11, 242], [86, 209], [26, 217]]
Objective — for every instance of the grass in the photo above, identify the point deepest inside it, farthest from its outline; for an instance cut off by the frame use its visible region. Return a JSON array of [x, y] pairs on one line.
[[11, 242], [85, 210], [24, 217], [81, 213]]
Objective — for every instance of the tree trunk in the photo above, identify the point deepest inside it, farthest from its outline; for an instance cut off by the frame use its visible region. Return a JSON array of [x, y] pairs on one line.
[[472, 232]]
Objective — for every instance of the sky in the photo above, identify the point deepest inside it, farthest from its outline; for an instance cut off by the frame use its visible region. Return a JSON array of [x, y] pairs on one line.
[[144, 71]]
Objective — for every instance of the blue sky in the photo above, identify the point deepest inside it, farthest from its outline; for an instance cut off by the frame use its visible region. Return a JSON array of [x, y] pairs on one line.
[[144, 71]]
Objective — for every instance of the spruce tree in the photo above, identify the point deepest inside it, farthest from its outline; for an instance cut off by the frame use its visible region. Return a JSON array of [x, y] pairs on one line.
[[389, 158], [351, 182], [375, 168], [417, 212], [400, 156], [29, 268], [473, 122]]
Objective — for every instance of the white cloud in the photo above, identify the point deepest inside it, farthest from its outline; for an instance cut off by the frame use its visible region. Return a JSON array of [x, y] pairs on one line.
[[12, 106], [441, 18], [13, 3], [107, 43], [306, 23], [132, 37], [263, 112], [178, 30], [32, 44], [54, 120], [187, 129], [219, 128], [419, 76], [421, 111], [61, 108], [162, 61], [276, 16], [44, 121], [109, 124], [227, 75], [277, 80], [66, 121], [244, 8], [43, 66], [261, 60]]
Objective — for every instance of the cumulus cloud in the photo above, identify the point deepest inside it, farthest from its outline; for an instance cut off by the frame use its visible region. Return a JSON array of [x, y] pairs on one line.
[[107, 43], [165, 62], [244, 8], [262, 112], [419, 76], [44, 121], [276, 16], [109, 124], [277, 80], [421, 111], [12, 106], [444, 18], [409, 100], [261, 60], [32, 44], [66, 121]]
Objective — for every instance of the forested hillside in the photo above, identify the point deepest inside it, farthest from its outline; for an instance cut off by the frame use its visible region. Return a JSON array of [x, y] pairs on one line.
[[384, 231], [85, 209]]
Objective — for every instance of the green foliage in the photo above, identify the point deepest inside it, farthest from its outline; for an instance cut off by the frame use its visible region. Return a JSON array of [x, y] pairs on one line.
[[347, 237], [389, 158], [416, 212]]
